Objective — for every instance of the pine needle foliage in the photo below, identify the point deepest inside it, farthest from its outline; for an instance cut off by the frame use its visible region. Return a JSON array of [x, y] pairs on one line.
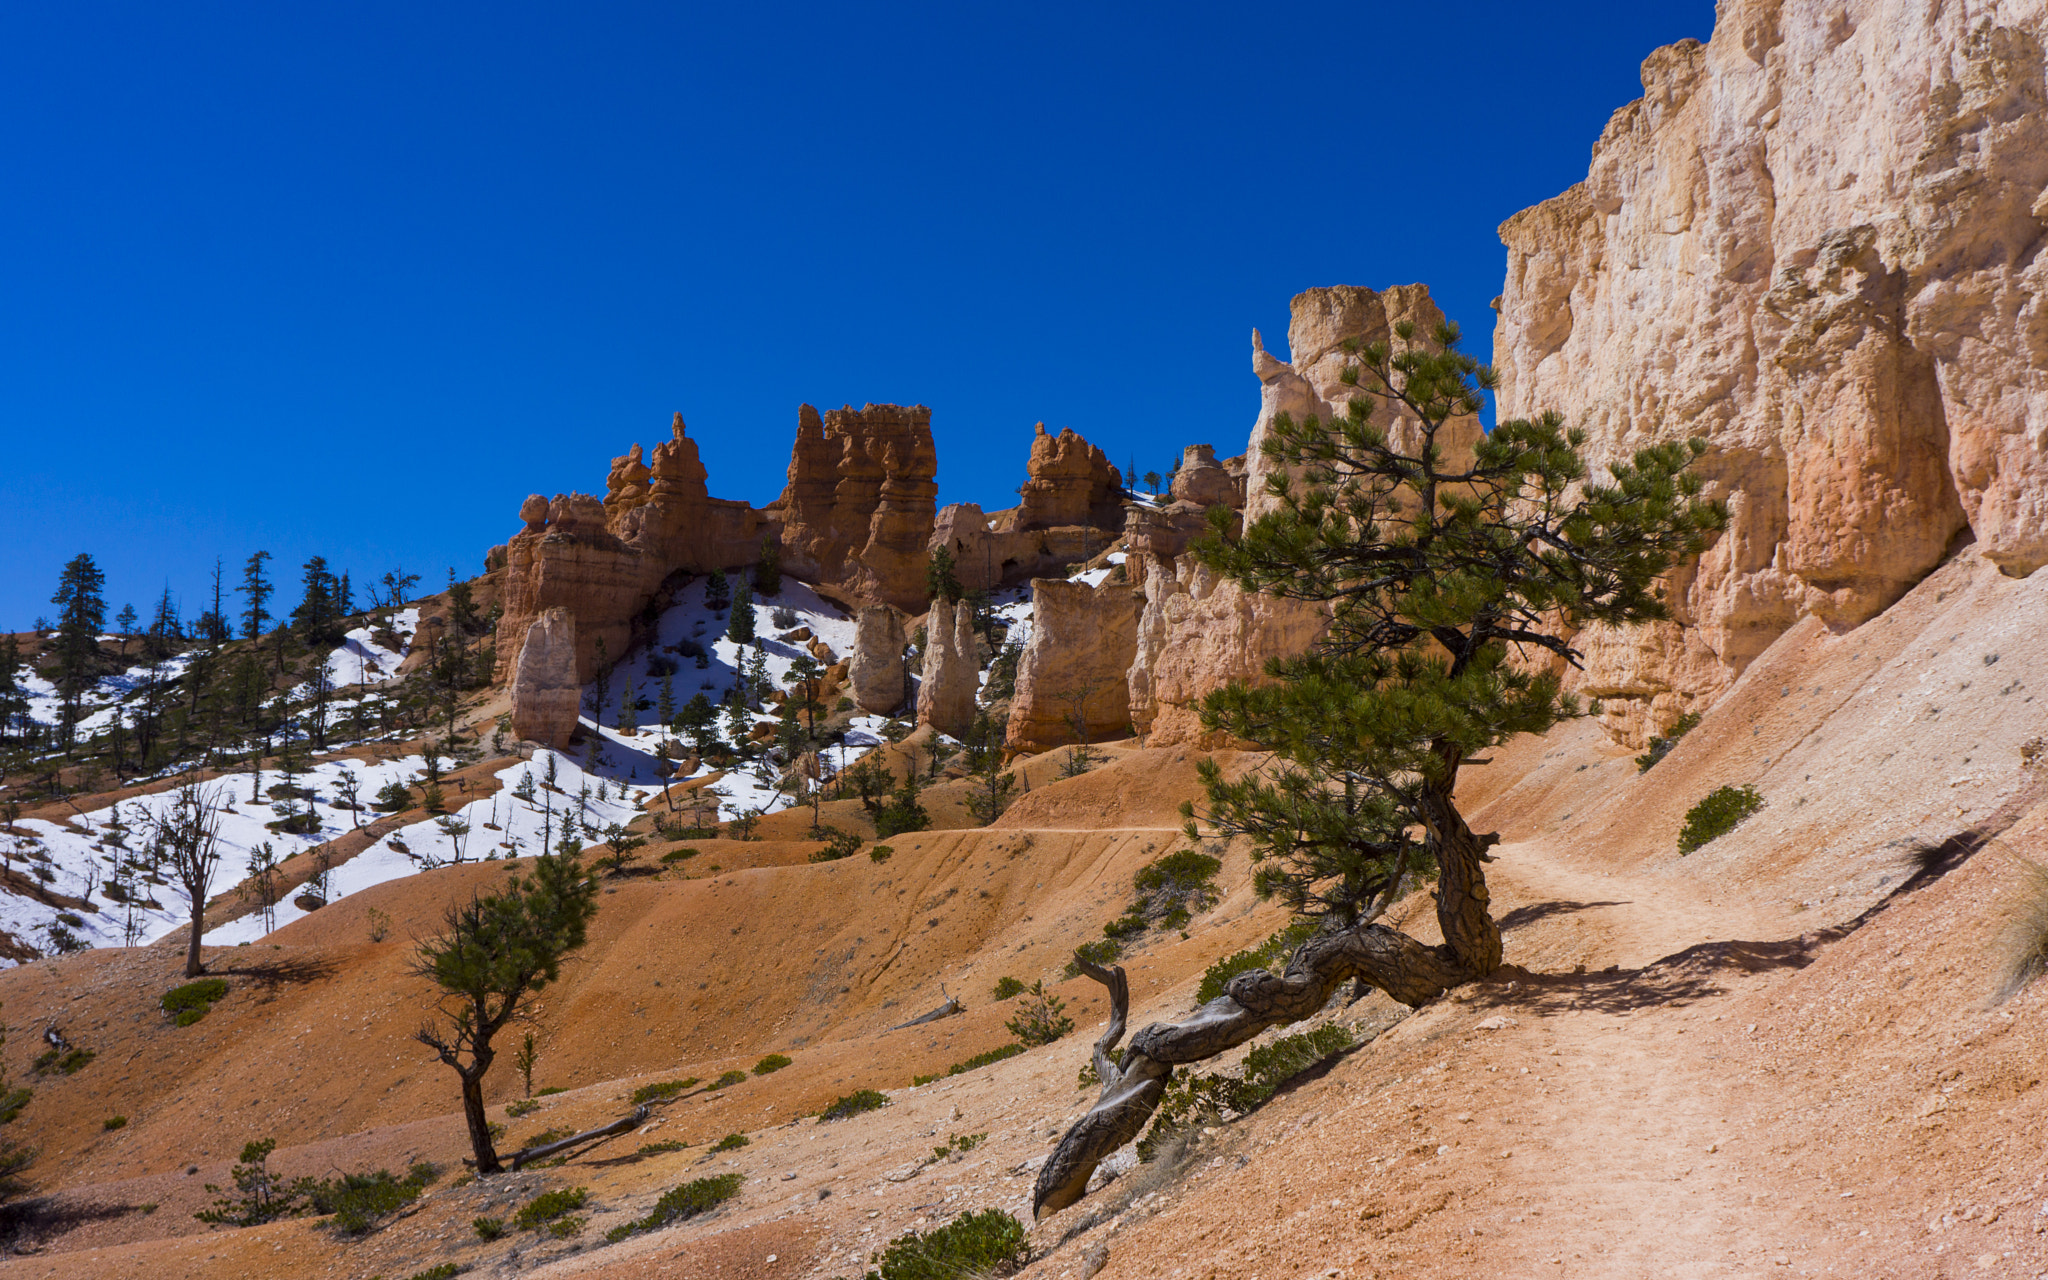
[[1454, 582]]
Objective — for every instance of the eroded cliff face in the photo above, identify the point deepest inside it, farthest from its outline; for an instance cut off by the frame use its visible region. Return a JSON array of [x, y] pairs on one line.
[[1816, 241], [1196, 633], [857, 510], [1071, 510], [603, 560]]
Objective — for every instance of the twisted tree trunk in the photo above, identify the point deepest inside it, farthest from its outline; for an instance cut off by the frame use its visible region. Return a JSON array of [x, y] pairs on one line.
[[1397, 964]]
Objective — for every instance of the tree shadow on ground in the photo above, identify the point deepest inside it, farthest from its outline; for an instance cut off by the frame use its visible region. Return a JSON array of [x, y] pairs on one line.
[[1530, 914], [1696, 973], [295, 971], [34, 1224]]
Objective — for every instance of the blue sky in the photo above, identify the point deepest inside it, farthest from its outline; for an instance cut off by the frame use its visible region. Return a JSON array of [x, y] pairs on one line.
[[353, 280]]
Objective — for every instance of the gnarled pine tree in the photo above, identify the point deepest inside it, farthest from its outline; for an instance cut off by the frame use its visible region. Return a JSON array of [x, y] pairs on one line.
[[1453, 582]]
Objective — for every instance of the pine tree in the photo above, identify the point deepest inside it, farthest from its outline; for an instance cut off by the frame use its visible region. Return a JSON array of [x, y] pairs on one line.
[[124, 625], [665, 705], [256, 591], [717, 592], [319, 605], [940, 582], [13, 700], [768, 571], [741, 629], [81, 614], [1453, 581], [165, 631]]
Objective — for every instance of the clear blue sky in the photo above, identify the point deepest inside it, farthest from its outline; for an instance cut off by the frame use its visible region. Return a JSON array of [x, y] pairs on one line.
[[354, 279]]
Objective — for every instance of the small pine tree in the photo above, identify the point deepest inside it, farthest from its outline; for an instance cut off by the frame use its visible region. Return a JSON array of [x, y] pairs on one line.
[[256, 591], [940, 582], [740, 630], [768, 572], [717, 592]]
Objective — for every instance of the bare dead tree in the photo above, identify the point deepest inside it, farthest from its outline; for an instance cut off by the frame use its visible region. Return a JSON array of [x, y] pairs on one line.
[[187, 842]]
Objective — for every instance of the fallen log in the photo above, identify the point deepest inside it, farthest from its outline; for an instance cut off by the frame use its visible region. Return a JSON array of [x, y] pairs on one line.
[[520, 1159]]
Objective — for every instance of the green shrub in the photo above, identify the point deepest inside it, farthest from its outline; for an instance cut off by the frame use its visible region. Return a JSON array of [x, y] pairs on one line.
[[1040, 1018], [880, 853], [727, 1080], [358, 1200], [681, 1204], [1661, 747], [395, 796], [112, 1123], [189, 1003], [553, 1088], [523, 1107], [678, 855], [838, 844], [980, 1060], [1105, 953], [1723, 810], [446, 1271], [1191, 1100], [548, 1206], [772, 1063], [1268, 955], [12, 1102], [563, 1228], [488, 1228], [730, 1142], [660, 1148], [962, 1142], [973, 1244], [544, 1137], [1007, 987], [70, 1063], [854, 1104], [663, 1091]]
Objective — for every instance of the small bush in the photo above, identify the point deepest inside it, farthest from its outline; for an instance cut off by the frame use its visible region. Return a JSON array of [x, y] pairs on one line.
[[727, 1080], [1007, 987], [446, 1271], [2022, 947], [660, 1148], [972, 1244], [1274, 951], [1105, 952], [854, 1104], [838, 844], [548, 1206], [678, 855], [984, 1059], [662, 1092], [395, 796], [12, 1102], [844, 704], [358, 1200], [772, 1063], [1040, 1019], [1661, 747], [1723, 810], [730, 1142], [488, 1228], [880, 853], [70, 1063], [545, 1136], [112, 1123], [189, 1003], [563, 1228], [523, 1107], [680, 1204], [962, 1142], [783, 617], [553, 1088]]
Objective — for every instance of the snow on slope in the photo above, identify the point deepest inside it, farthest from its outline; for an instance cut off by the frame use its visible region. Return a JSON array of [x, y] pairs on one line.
[[83, 852]]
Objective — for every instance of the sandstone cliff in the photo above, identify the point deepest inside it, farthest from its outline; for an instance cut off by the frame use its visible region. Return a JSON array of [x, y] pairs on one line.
[[1071, 511], [856, 513], [1817, 242], [604, 560], [1075, 664]]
